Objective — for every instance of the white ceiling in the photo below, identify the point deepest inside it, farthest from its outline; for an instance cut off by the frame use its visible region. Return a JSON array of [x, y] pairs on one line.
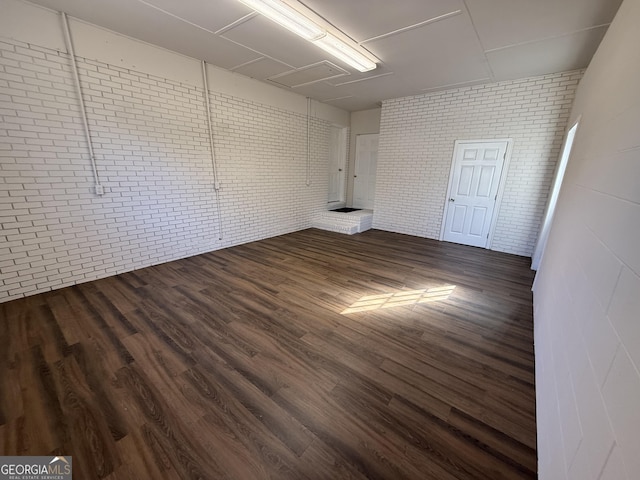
[[476, 41]]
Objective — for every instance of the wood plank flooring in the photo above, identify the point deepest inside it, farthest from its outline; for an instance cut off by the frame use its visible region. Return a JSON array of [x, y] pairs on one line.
[[313, 355]]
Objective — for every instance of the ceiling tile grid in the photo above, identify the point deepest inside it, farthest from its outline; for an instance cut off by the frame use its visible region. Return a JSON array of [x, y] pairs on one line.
[[422, 45]]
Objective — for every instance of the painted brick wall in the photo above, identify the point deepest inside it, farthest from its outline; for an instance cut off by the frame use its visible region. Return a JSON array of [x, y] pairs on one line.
[[417, 136], [152, 148], [261, 152]]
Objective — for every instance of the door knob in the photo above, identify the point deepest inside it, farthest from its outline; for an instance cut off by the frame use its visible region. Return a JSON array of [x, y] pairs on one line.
[[355, 176], [452, 199]]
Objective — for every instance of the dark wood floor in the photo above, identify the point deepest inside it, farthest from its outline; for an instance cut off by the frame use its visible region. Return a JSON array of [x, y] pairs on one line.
[[312, 355]]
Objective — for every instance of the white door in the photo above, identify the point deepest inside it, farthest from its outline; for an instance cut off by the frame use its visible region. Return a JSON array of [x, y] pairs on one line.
[[364, 178], [473, 191], [337, 157]]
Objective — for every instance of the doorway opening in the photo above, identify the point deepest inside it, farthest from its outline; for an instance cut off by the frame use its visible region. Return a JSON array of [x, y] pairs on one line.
[[364, 177], [476, 183], [337, 166]]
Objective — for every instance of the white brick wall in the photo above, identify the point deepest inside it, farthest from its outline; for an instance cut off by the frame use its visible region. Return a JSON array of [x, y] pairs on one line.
[[262, 153], [417, 136], [152, 148], [587, 290]]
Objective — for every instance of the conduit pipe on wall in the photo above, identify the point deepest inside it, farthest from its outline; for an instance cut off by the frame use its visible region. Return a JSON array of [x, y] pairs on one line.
[[308, 183], [216, 182], [98, 188]]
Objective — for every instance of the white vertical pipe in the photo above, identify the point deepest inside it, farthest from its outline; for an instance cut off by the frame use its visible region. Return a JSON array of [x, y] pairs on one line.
[[205, 80], [216, 182], [83, 112], [308, 141]]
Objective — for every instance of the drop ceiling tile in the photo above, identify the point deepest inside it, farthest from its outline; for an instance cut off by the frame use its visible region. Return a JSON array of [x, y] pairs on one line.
[[547, 56], [441, 53], [262, 68], [137, 20], [363, 19], [382, 88], [320, 91], [359, 77], [270, 39], [203, 46], [450, 86], [354, 104], [377, 89], [211, 15], [507, 22], [309, 74]]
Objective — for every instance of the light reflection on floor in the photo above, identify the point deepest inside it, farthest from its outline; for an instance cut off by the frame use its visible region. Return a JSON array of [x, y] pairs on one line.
[[403, 298]]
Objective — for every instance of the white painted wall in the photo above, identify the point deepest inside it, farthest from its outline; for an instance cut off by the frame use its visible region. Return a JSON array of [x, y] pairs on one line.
[[417, 137], [362, 122], [29, 23], [147, 119], [587, 290]]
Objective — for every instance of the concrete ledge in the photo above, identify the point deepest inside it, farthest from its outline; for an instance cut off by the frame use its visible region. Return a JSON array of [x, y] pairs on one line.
[[348, 223]]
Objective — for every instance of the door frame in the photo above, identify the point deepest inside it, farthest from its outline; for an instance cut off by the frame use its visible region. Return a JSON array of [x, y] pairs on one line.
[[344, 161], [501, 183], [355, 164]]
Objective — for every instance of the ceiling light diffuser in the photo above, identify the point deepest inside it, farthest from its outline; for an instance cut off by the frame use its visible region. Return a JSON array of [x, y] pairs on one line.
[[295, 20], [345, 52], [287, 17]]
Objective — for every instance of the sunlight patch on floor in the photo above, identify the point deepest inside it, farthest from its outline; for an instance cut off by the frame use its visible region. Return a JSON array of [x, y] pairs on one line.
[[398, 299]]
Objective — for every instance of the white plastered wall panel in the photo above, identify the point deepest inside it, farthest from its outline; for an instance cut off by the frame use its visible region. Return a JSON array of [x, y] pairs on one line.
[[587, 290]]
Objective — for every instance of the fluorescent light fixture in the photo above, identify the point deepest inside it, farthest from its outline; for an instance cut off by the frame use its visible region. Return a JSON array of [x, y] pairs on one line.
[[346, 53], [294, 19], [287, 17]]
